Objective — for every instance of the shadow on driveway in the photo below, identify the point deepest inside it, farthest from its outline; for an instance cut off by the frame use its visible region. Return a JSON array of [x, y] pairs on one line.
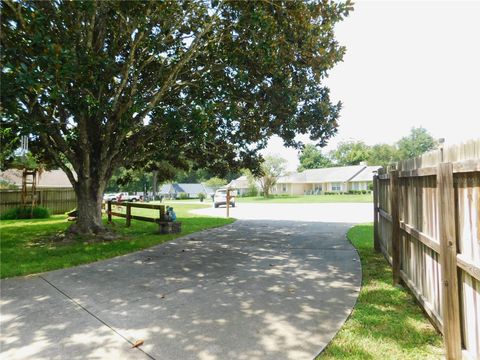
[[250, 290]]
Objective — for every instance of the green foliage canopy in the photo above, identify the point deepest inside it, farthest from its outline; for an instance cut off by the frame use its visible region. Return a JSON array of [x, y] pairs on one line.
[[419, 141], [382, 154], [104, 84], [312, 158], [350, 153]]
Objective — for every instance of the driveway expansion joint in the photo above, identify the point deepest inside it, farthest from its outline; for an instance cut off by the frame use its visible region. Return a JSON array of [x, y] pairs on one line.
[[76, 303]]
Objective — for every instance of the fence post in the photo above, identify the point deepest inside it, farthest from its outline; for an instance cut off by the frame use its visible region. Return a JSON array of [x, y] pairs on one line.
[[376, 239], [394, 204], [109, 210], [448, 260], [161, 212], [228, 203], [129, 214]]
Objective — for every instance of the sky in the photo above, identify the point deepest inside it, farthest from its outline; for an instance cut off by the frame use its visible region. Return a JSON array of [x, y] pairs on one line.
[[408, 64]]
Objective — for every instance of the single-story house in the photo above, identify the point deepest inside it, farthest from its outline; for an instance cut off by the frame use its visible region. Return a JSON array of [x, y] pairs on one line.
[[45, 179], [334, 179], [362, 180], [173, 190], [241, 185]]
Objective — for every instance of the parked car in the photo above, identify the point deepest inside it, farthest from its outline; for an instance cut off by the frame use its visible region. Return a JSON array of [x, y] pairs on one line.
[[110, 197], [220, 198], [122, 196]]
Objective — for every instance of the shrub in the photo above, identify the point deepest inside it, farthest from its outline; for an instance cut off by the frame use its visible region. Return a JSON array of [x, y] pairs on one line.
[[7, 186], [183, 196], [38, 212], [364, 191], [202, 196], [251, 191]]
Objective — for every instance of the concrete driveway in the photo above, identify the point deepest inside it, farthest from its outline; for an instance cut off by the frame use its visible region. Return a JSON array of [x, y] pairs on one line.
[[327, 213], [256, 289]]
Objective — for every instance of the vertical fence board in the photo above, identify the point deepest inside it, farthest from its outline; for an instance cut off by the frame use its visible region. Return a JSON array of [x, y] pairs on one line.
[[376, 241], [448, 256], [396, 238]]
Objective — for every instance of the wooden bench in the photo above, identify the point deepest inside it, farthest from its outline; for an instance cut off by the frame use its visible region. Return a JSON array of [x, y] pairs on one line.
[[165, 227]]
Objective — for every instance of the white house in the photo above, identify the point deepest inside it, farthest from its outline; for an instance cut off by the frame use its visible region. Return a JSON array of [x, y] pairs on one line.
[[334, 179]]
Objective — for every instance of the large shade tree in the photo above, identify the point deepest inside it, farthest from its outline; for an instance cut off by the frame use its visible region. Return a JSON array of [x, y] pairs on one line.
[[103, 84]]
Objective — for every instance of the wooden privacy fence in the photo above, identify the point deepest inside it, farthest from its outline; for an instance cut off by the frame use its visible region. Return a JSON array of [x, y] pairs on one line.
[[57, 200], [427, 225]]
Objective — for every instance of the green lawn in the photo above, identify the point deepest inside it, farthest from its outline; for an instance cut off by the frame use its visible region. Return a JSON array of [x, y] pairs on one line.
[[25, 247], [363, 198], [386, 322]]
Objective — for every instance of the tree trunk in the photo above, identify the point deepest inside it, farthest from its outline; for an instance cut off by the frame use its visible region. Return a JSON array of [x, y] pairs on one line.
[[89, 207], [266, 191]]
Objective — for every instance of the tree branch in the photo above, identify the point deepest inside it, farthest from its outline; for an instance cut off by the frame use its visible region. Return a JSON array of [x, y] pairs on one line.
[[48, 148], [172, 77]]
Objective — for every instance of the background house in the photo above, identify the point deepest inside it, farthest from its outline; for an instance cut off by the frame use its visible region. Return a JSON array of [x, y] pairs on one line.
[[53, 191], [173, 190], [240, 184], [318, 181], [362, 180], [46, 179]]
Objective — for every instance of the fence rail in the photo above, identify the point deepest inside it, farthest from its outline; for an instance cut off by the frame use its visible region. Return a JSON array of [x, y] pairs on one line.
[[128, 213], [427, 225], [57, 200]]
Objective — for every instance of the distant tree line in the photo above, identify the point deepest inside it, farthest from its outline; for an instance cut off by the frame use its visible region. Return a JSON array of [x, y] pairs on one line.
[[347, 153]]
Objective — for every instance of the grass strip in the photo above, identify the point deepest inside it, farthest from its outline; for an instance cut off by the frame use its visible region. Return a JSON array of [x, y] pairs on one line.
[[386, 322]]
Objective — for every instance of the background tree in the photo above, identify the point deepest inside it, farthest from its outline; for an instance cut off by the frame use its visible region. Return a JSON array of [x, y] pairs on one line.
[[10, 141], [215, 183], [382, 154], [312, 158], [104, 84], [418, 142], [129, 181], [350, 153], [272, 168]]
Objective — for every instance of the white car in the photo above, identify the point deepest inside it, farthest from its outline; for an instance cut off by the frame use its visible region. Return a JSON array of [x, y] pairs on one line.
[[220, 198], [125, 197], [110, 197]]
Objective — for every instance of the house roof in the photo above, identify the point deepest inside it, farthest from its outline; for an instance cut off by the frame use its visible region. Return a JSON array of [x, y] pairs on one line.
[[239, 183], [366, 174], [165, 189], [47, 179], [192, 188], [333, 174]]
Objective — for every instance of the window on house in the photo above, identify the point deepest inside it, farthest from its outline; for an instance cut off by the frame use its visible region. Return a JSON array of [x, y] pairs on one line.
[[284, 189], [336, 186]]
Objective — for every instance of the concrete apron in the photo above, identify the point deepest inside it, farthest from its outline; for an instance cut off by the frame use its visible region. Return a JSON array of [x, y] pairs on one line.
[[250, 290]]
